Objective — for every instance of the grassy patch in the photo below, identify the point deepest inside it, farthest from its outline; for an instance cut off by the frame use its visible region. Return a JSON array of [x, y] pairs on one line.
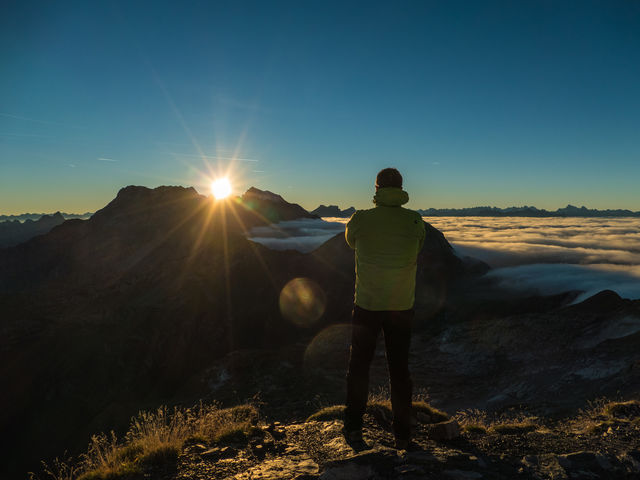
[[513, 428], [160, 456], [120, 472], [603, 414], [599, 427], [473, 421], [334, 412], [235, 433], [380, 408], [474, 428], [478, 422], [623, 410], [155, 440], [423, 408]]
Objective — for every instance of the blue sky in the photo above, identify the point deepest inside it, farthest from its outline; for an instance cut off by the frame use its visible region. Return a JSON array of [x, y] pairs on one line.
[[477, 103]]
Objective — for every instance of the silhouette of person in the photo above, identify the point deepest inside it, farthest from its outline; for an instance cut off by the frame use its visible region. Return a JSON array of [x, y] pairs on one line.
[[386, 240]]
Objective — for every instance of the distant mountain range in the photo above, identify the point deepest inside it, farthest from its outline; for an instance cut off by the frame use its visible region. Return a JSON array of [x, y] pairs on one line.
[[526, 211], [333, 211], [35, 216], [13, 232], [160, 298]]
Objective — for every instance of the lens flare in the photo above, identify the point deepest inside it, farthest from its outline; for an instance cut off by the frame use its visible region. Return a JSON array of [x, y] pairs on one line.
[[330, 348], [221, 188], [302, 301]]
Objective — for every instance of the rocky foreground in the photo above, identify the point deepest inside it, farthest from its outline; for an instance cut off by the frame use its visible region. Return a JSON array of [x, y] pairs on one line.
[[603, 443]]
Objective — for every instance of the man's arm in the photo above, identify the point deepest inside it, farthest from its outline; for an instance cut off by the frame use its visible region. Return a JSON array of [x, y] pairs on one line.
[[421, 233], [350, 231]]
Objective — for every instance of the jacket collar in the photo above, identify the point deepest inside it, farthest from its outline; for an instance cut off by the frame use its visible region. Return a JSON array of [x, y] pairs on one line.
[[390, 197]]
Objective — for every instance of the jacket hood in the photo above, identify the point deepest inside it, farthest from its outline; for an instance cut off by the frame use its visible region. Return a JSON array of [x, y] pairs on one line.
[[390, 197]]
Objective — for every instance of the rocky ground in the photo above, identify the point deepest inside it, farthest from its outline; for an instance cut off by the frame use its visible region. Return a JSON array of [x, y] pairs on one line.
[[591, 446]]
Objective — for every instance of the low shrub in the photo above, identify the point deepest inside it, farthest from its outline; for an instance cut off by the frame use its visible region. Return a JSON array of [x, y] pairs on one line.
[[475, 428], [513, 428], [334, 412], [235, 433], [155, 440], [623, 410], [425, 409]]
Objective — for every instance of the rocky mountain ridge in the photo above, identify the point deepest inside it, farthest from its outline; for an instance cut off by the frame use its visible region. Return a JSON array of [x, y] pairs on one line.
[[161, 298], [526, 211], [13, 232], [104, 316], [333, 211]]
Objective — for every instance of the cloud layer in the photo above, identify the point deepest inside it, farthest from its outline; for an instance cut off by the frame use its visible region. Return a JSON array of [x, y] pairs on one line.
[[550, 255], [503, 242], [303, 235]]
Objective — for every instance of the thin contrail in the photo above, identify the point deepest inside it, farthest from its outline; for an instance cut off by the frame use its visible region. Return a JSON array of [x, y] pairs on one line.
[[212, 157], [28, 119]]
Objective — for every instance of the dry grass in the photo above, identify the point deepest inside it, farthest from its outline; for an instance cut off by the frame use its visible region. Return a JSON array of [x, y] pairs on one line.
[[334, 412], [155, 439], [514, 428], [380, 408], [473, 421], [602, 414], [475, 428], [623, 410], [478, 422], [428, 414]]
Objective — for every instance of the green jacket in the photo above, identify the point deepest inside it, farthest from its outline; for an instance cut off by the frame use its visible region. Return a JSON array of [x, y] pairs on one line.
[[387, 240]]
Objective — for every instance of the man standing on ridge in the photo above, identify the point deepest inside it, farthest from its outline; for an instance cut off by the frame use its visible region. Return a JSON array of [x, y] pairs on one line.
[[386, 240]]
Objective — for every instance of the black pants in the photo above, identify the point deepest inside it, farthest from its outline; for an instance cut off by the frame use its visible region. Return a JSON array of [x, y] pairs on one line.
[[396, 326]]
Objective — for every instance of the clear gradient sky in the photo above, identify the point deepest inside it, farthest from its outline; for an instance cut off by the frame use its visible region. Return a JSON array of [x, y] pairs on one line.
[[477, 103]]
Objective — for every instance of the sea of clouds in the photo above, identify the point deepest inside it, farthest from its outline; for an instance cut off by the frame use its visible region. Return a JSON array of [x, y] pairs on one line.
[[304, 234], [550, 255]]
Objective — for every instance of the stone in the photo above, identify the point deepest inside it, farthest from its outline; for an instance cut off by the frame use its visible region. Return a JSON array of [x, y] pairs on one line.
[[632, 457], [404, 469], [462, 474], [584, 461], [196, 448], [217, 453], [447, 430], [421, 457], [348, 471], [300, 467]]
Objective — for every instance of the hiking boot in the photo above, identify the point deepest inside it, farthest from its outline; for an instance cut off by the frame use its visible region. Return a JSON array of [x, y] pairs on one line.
[[402, 444], [354, 439]]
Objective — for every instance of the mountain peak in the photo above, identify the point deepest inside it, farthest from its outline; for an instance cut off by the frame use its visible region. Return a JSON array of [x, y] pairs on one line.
[[271, 207], [333, 211], [254, 192], [138, 201]]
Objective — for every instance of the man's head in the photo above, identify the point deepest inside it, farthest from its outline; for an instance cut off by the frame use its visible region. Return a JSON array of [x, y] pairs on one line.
[[388, 177]]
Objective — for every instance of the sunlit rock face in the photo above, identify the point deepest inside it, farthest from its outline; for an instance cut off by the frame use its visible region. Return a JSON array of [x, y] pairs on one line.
[[272, 207]]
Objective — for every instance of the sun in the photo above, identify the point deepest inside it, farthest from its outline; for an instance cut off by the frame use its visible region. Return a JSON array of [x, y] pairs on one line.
[[221, 188]]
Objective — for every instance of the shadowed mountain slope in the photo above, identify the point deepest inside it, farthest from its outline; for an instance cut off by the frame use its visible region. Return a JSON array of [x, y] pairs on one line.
[[160, 298], [13, 232], [102, 317]]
